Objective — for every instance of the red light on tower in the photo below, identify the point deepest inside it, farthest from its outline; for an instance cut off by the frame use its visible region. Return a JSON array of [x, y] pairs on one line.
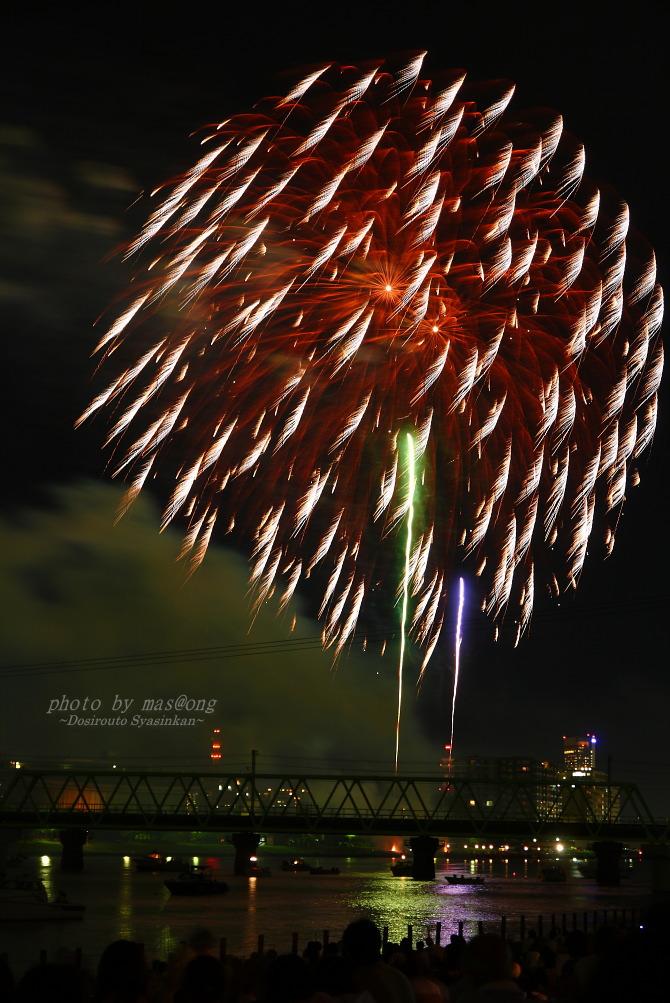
[[216, 744]]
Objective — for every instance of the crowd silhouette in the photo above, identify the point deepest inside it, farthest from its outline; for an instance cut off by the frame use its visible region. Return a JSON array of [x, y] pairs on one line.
[[614, 964]]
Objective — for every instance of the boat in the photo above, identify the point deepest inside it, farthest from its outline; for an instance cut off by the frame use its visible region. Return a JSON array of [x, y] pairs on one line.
[[25, 898], [156, 862], [324, 870], [553, 872], [589, 868], [195, 882], [294, 865], [465, 879], [258, 872], [403, 869]]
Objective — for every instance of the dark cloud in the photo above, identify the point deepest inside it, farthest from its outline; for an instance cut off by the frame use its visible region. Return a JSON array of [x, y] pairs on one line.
[[82, 586]]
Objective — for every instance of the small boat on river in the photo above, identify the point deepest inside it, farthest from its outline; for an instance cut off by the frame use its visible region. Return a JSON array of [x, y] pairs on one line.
[[156, 862], [553, 872], [195, 882], [465, 879], [295, 865], [25, 898], [589, 868], [403, 869]]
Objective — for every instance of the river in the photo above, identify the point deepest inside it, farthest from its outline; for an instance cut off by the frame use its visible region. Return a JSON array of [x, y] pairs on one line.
[[122, 903]]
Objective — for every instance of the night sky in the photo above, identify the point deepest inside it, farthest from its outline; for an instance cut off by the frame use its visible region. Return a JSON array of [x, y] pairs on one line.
[[97, 113]]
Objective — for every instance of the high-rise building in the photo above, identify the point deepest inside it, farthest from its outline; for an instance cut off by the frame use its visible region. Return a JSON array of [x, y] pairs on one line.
[[579, 756], [592, 795], [538, 779], [541, 785]]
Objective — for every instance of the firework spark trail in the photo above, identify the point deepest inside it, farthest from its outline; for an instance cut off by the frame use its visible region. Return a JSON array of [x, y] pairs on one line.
[[458, 640], [370, 254], [406, 584]]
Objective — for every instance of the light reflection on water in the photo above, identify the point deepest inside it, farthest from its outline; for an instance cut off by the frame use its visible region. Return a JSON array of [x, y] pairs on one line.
[[123, 903], [44, 873]]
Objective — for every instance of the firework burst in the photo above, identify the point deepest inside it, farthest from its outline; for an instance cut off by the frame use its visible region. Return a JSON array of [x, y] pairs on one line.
[[370, 256]]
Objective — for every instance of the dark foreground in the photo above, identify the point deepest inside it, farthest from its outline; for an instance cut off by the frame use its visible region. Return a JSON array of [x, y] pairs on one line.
[[612, 964]]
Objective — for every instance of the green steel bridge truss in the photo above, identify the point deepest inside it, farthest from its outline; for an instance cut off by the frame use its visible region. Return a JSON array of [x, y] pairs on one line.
[[327, 803]]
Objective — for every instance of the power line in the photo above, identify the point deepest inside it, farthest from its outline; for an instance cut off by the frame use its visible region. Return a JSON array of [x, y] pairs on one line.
[[293, 644], [168, 656]]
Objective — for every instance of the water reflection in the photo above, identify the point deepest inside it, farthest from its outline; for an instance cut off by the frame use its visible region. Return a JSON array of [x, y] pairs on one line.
[[125, 903], [46, 876], [120, 902], [251, 927]]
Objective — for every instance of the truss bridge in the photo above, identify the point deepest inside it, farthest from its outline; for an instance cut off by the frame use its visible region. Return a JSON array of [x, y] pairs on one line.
[[408, 806]]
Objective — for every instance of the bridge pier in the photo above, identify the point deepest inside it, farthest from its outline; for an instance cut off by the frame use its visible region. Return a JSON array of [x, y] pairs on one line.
[[246, 844], [659, 855], [72, 857], [423, 859], [607, 862], [7, 838]]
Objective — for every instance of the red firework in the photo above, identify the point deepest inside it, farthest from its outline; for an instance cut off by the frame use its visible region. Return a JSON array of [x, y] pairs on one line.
[[375, 254]]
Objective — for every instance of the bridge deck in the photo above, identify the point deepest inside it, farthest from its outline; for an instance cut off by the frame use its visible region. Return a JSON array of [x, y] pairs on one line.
[[297, 803]]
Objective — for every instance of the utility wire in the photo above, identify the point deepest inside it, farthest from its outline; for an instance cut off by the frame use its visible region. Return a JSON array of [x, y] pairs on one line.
[[292, 644]]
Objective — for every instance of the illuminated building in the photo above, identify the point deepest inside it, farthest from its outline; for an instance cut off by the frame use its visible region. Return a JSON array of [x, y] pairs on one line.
[[579, 756], [538, 777], [588, 793], [215, 754], [579, 764]]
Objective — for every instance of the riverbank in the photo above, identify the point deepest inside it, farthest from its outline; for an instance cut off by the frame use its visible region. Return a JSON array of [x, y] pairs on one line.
[[196, 844], [113, 843]]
